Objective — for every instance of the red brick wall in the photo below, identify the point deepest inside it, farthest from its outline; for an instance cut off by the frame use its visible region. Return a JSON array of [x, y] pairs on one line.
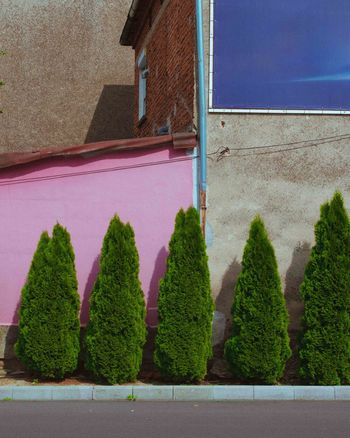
[[170, 55]]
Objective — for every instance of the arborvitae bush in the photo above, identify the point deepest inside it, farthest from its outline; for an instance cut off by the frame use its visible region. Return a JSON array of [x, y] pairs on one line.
[[116, 332], [259, 346], [49, 327], [183, 342], [325, 344]]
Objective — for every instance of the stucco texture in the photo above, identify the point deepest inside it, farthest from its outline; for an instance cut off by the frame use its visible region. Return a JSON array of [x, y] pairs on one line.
[[83, 194], [285, 184], [68, 81]]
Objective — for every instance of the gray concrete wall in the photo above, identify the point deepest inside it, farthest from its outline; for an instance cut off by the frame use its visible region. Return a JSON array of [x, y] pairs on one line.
[[68, 81], [285, 188]]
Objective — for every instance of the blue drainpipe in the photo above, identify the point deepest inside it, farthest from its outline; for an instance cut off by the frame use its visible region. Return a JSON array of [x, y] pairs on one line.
[[202, 112]]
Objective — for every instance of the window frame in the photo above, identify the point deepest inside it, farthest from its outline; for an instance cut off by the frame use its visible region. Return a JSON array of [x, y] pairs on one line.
[[143, 74]]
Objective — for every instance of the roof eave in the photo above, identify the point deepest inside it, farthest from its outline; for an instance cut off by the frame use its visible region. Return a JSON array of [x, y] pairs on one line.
[[185, 140], [128, 33]]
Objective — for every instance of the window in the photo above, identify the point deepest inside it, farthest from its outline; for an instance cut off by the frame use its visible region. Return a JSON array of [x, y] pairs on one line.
[[143, 73]]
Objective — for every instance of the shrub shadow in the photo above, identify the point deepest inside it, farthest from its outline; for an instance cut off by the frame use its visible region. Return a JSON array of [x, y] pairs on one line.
[[84, 312], [11, 364], [224, 300], [148, 368], [218, 367], [295, 307]]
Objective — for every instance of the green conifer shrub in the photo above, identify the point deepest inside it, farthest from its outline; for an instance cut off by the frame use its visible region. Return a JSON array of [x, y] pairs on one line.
[[325, 343], [183, 342], [116, 331], [259, 346], [49, 328]]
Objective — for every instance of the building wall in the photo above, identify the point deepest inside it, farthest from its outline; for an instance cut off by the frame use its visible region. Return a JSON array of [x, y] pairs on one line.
[[83, 195], [169, 41], [68, 81], [285, 184]]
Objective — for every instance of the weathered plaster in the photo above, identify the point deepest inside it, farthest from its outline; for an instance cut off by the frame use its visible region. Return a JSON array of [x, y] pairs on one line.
[[285, 188], [67, 78]]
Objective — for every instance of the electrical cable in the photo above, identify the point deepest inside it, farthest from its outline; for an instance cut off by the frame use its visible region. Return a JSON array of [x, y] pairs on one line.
[[220, 153]]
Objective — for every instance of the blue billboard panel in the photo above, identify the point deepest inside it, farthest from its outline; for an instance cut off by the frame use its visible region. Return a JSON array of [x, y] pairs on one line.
[[281, 55]]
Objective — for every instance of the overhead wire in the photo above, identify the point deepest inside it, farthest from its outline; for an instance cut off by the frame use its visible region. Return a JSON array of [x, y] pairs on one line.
[[220, 153], [225, 152]]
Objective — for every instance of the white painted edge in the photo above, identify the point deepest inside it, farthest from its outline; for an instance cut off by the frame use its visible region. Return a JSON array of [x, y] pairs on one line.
[[211, 54], [277, 111], [177, 392]]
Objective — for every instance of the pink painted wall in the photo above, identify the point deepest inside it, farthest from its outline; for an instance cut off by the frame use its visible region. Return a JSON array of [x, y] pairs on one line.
[[83, 194]]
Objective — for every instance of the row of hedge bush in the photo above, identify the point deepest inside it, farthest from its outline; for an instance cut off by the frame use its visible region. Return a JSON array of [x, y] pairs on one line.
[[259, 347], [49, 328]]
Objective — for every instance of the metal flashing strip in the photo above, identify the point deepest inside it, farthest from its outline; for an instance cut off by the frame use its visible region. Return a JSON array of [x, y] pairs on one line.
[[177, 141]]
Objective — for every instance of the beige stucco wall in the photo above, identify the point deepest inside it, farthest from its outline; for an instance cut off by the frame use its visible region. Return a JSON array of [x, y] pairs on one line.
[[285, 188], [68, 81]]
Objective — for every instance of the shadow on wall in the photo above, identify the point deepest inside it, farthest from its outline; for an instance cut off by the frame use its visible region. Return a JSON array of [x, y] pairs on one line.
[[10, 362], [158, 274], [8, 336], [85, 303], [294, 279], [222, 324], [113, 117], [148, 368], [224, 300]]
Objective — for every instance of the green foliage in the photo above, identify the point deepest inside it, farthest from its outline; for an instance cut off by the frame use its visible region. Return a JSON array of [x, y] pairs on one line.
[[116, 332], [259, 346], [325, 345], [49, 328], [183, 342]]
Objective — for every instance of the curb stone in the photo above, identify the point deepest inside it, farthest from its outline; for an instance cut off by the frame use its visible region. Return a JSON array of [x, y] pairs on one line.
[[153, 392], [72, 392], [239, 392], [193, 393], [314, 392], [33, 393], [342, 392], [274, 393], [174, 392], [112, 392], [6, 392]]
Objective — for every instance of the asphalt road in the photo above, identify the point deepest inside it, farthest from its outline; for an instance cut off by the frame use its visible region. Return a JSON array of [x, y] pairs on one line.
[[174, 419]]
